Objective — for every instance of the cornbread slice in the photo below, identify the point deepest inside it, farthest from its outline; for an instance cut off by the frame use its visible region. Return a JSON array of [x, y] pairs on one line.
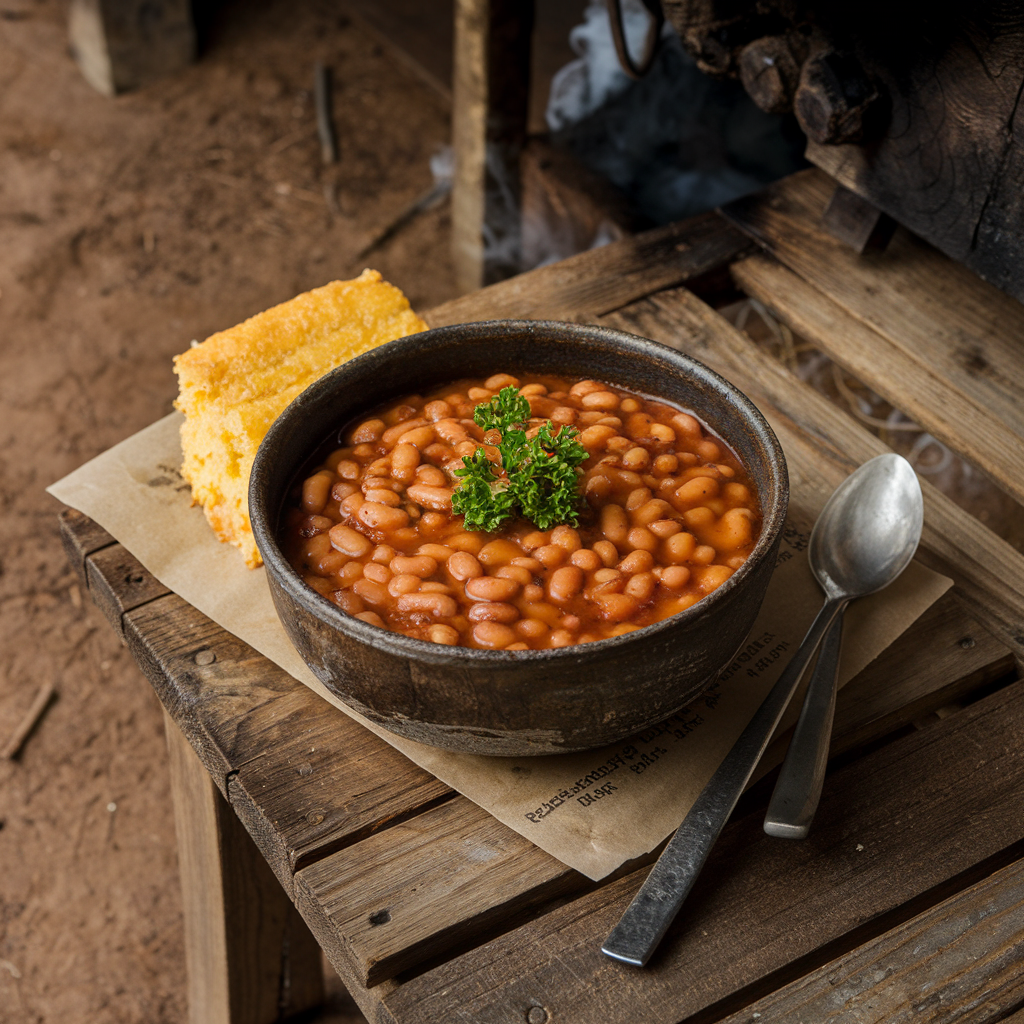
[[235, 384]]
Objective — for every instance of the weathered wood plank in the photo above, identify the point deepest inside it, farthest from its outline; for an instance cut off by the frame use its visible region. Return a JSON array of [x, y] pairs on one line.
[[911, 384], [598, 281], [934, 312], [119, 582], [490, 103], [251, 959], [885, 846], [81, 536], [455, 875], [823, 445], [961, 961], [304, 777]]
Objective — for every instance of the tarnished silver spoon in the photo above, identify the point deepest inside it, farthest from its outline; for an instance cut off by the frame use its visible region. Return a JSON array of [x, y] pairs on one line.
[[864, 538]]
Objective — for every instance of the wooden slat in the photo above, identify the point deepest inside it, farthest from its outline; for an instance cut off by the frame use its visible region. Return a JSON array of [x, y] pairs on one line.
[[889, 840], [823, 445], [304, 777], [913, 385], [598, 281], [961, 961], [119, 582], [456, 875], [81, 536], [932, 311], [251, 959]]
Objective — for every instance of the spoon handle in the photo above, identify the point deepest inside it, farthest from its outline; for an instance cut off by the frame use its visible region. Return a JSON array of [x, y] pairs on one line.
[[798, 788], [635, 938]]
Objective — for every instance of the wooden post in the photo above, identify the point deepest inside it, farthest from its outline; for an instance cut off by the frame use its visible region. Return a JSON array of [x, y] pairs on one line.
[[250, 957], [123, 44], [490, 99]]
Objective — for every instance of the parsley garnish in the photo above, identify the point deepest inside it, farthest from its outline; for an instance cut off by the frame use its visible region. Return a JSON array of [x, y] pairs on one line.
[[539, 473]]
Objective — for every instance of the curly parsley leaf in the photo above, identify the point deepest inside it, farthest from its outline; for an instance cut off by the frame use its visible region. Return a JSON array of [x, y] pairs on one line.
[[506, 409], [541, 472], [482, 497]]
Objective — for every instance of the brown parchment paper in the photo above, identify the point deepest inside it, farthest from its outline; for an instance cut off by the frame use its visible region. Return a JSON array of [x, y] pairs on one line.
[[592, 811]]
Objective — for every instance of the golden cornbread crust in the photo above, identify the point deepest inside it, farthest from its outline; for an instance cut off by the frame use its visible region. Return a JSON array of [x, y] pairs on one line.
[[236, 383]]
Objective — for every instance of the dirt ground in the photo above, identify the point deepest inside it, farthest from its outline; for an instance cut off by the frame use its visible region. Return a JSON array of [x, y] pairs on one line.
[[127, 228]]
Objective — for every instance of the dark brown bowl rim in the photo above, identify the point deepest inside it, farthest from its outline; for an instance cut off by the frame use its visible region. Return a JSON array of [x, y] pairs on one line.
[[418, 346]]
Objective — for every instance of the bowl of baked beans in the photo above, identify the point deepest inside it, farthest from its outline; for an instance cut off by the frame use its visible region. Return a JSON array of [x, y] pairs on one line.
[[549, 586]]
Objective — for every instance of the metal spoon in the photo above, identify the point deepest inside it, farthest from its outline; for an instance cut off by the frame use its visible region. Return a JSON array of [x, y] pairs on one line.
[[864, 539], [870, 527]]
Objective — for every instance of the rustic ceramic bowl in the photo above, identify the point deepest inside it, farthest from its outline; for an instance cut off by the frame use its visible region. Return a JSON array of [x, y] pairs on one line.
[[526, 702]]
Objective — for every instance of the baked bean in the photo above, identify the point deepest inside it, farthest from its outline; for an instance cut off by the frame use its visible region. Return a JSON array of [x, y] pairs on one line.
[[565, 583], [403, 584], [551, 555], [463, 566], [367, 432], [440, 606], [439, 633], [566, 537], [675, 576], [606, 551], [492, 588], [641, 586], [392, 434], [382, 517], [640, 560], [641, 537], [604, 400], [371, 593], [614, 524], [347, 540], [673, 517], [678, 548], [586, 559], [376, 572], [383, 497], [416, 565], [518, 573], [439, 410], [493, 634], [636, 459], [315, 490], [437, 498], [498, 552], [491, 611], [372, 618], [616, 607], [532, 629], [461, 541]]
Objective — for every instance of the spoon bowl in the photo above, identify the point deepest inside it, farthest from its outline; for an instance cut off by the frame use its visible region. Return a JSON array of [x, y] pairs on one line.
[[868, 531]]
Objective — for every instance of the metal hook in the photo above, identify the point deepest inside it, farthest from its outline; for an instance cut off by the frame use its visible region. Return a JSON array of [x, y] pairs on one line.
[[636, 70]]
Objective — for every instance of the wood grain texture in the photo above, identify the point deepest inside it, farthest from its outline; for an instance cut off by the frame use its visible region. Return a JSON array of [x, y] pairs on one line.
[[823, 445], [304, 777], [912, 384], [601, 280], [951, 165], [490, 105], [251, 959], [935, 314], [81, 536], [455, 876], [119, 582], [961, 961], [884, 843]]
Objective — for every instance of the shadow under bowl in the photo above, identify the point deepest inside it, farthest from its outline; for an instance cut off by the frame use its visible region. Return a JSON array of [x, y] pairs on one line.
[[517, 703]]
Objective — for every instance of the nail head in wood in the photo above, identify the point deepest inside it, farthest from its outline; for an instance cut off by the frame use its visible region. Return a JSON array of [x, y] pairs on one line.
[[205, 658], [770, 72], [836, 102]]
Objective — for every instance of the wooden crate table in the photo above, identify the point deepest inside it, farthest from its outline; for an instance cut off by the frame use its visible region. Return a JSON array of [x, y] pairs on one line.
[[906, 901]]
